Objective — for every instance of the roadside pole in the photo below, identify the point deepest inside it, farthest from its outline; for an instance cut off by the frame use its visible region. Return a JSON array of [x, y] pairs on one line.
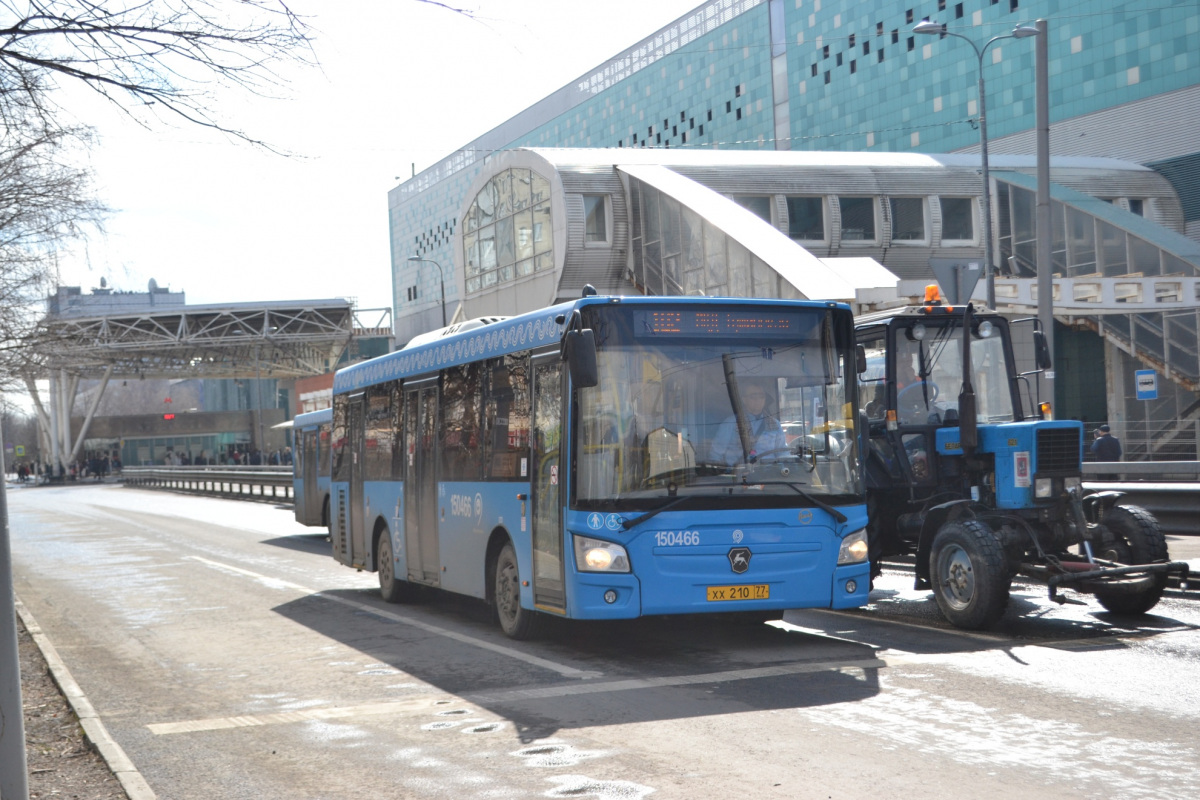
[[14, 769]]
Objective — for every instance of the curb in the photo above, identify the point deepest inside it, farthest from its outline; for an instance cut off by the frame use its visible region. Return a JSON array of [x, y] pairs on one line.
[[131, 780]]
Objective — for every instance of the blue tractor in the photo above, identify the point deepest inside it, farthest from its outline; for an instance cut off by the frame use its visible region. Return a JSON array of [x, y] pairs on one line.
[[961, 478]]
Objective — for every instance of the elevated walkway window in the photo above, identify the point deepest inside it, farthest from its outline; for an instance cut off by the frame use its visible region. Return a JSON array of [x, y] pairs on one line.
[[958, 219], [908, 219], [806, 218], [858, 219], [760, 205], [595, 213]]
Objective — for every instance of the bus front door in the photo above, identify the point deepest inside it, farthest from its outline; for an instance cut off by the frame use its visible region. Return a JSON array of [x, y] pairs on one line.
[[359, 556], [548, 592], [420, 485]]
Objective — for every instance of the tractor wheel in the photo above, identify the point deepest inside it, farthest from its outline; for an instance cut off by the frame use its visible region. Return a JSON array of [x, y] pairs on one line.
[[969, 575], [1138, 541]]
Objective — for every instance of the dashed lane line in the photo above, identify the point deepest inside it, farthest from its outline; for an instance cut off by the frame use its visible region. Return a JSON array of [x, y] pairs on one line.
[[562, 669]]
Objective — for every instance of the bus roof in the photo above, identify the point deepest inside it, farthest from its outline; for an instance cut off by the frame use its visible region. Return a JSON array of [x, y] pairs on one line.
[[525, 332], [311, 419]]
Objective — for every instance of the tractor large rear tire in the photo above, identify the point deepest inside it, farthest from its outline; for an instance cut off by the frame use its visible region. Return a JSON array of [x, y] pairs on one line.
[[969, 575], [1139, 541]]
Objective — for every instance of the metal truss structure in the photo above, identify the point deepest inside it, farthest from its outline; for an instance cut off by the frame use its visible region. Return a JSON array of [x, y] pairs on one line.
[[280, 340]]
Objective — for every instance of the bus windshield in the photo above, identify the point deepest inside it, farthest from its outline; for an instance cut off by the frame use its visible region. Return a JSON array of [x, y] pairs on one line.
[[929, 375], [746, 405]]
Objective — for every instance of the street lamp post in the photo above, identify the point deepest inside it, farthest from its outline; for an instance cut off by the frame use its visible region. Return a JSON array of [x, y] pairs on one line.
[[441, 277], [1020, 32]]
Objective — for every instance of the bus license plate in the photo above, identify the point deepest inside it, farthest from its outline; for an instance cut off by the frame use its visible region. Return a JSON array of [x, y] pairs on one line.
[[755, 591]]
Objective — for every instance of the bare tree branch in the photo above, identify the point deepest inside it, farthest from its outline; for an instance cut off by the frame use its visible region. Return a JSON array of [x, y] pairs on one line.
[[171, 55]]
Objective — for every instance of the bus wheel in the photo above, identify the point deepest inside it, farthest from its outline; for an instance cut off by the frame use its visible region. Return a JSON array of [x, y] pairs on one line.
[[969, 575], [1137, 540], [391, 588], [515, 621]]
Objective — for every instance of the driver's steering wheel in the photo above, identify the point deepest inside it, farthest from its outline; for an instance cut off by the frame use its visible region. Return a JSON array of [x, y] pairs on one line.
[[933, 391]]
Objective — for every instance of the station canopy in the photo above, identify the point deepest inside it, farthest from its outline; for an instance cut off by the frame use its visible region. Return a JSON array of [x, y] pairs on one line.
[[279, 339]]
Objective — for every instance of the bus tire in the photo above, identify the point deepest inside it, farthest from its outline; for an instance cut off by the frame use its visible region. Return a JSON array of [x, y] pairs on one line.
[[516, 622], [969, 574], [1138, 541], [391, 588]]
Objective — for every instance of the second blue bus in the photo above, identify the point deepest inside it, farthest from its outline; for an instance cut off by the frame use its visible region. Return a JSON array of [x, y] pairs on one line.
[[605, 459]]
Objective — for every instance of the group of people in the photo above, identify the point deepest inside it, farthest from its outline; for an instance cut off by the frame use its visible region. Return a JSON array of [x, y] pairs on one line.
[[235, 456], [95, 468]]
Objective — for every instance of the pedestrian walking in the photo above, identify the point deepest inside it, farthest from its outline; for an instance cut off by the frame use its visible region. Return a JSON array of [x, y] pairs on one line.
[[1106, 448]]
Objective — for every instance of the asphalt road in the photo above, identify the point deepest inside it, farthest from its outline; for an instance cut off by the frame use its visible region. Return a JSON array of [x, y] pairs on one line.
[[231, 657]]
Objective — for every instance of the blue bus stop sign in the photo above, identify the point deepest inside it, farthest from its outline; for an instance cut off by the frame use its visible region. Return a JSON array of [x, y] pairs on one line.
[[1146, 383]]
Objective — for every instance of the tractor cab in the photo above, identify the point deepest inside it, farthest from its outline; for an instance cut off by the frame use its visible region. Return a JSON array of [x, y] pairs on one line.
[[923, 440]]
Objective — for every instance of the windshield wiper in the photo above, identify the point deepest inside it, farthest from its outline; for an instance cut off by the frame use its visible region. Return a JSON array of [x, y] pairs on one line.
[[638, 520], [821, 504]]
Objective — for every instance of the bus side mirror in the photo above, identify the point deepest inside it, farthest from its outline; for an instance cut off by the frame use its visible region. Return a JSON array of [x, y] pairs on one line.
[[1041, 350], [580, 350], [860, 359]]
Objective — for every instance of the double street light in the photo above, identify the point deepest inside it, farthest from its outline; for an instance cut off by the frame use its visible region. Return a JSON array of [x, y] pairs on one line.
[[1020, 32], [441, 276]]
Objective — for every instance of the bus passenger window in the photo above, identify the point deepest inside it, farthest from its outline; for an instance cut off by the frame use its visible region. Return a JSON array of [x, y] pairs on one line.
[[460, 416]]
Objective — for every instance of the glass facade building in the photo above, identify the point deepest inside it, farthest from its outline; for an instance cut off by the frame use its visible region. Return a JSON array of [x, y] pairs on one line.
[[829, 75]]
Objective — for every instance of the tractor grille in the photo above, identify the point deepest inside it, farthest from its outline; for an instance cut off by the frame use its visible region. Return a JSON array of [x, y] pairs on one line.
[[1058, 451]]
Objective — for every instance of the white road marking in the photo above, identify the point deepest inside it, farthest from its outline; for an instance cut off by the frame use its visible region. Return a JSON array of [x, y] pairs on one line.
[[561, 669], [514, 695], [632, 684], [286, 717]]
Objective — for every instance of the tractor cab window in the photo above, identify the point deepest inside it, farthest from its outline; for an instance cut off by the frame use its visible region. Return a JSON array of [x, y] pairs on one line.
[[928, 373]]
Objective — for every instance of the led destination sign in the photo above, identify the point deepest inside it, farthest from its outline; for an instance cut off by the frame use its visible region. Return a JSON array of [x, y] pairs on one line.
[[723, 324]]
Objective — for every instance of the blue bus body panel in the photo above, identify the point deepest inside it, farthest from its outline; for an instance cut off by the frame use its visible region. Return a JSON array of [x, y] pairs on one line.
[[468, 513], [385, 500], [1014, 445], [678, 555]]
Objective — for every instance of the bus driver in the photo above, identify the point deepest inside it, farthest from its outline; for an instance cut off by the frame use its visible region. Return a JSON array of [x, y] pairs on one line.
[[764, 431]]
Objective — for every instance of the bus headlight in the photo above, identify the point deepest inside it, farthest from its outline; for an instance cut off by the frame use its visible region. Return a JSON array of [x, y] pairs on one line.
[[1043, 487], [594, 555], [854, 548]]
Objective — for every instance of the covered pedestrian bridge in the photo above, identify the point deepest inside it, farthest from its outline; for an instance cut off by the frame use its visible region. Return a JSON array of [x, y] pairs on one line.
[[246, 340]]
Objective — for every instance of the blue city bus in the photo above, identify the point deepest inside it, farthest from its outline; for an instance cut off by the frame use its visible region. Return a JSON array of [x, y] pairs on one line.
[[310, 467], [599, 459]]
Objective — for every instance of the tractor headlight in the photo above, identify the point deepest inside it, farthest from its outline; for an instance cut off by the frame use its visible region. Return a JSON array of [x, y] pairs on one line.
[[594, 555], [1073, 484], [854, 548], [1043, 488]]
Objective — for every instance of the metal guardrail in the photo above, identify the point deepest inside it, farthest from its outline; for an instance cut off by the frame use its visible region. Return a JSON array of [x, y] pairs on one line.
[[1157, 471], [242, 483], [1170, 490]]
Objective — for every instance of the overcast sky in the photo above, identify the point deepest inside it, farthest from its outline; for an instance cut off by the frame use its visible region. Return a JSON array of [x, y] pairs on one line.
[[402, 83]]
